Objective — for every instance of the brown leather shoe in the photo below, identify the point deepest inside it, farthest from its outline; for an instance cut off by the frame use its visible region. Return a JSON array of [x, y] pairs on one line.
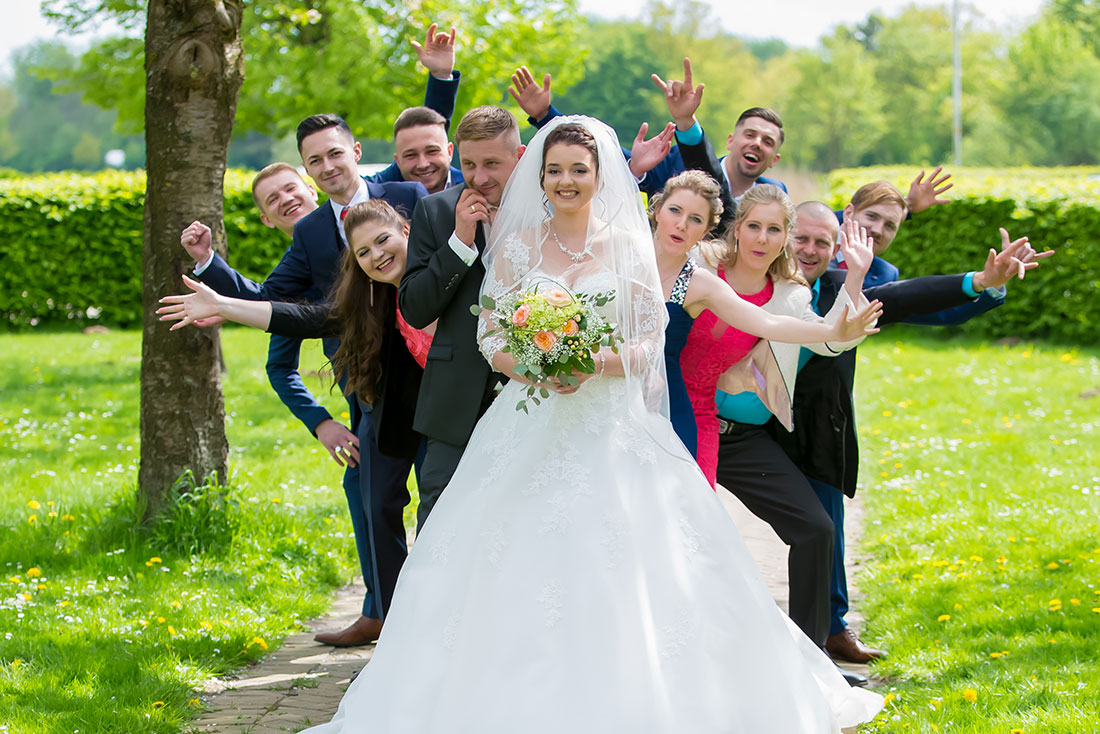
[[362, 632], [846, 645]]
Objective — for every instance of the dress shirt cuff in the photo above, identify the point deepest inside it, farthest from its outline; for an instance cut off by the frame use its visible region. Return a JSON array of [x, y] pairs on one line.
[[691, 136], [199, 268], [465, 253]]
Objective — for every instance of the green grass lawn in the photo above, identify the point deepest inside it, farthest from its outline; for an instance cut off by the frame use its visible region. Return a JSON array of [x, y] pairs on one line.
[[102, 628], [981, 474], [982, 537]]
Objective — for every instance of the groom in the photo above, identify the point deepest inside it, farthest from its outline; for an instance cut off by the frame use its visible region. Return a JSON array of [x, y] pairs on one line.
[[442, 280]]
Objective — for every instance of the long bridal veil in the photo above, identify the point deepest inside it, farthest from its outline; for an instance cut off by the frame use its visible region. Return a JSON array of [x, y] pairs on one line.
[[620, 243]]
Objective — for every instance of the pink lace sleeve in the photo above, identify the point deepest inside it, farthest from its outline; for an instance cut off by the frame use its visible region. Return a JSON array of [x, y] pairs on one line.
[[416, 340]]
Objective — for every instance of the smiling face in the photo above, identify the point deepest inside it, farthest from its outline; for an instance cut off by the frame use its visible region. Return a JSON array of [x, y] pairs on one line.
[[487, 164], [424, 155], [761, 236], [754, 146], [880, 220], [380, 249], [284, 198], [681, 222], [569, 177], [814, 241], [330, 157]]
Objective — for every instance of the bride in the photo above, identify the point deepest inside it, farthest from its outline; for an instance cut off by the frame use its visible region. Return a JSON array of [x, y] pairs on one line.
[[578, 574]]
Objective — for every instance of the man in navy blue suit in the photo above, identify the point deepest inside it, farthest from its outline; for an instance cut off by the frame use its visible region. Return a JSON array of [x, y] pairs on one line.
[[421, 149], [307, 271]]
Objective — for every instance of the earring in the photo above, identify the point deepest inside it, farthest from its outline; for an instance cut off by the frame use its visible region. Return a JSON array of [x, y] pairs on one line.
[[371, 286]]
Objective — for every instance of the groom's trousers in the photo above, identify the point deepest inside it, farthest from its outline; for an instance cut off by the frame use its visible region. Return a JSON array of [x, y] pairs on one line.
[[757, 471]]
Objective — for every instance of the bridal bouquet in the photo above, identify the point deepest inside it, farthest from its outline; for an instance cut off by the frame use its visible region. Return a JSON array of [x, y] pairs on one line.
[[550, 332]]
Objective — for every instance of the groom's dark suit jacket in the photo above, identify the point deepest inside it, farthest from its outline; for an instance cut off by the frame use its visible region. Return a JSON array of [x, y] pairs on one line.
[[824, 444], [458, 383]]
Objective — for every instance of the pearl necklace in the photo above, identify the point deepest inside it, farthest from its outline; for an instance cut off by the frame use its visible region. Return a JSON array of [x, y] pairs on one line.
[[573, 255]]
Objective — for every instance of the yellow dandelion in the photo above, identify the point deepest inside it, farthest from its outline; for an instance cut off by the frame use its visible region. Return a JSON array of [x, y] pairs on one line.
[[1053, 565], [67, 517], [258, 641], [970, 695], [889, 697], [194, 702], [966, 421], [51, 514], [64, 603], [33, 573], [33, 504], [158, 704], [32, 519], [1074, 602], [958, 606], [171, 630], [1096, 609], [175, 604], [918, 575], [943, 617], [1052, 641], [15, 579], [976, 559], [160, 620], [1016, 731], [994, 655], [276, 499], [17, 662], [1011, 539]]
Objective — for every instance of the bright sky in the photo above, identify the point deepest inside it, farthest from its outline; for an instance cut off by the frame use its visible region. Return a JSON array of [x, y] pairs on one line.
[[803, 21]]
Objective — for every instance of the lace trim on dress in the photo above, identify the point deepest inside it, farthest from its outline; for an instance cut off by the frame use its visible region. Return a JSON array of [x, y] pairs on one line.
[[683, 280]]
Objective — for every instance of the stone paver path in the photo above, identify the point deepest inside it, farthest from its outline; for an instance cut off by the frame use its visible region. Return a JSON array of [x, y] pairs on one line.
[[301, 683]]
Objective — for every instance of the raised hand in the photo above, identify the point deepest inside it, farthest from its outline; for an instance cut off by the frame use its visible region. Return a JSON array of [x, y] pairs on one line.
[[196, 240], [1013, 261], [857, 247], [532, 99], [924, 193], [437, 53], [342, 445], [645, 154], [471, 209], [853, 326], [193, 308], [682, 98]]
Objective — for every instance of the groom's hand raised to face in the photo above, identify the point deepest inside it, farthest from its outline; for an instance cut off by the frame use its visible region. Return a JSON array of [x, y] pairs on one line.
[[471, 209]]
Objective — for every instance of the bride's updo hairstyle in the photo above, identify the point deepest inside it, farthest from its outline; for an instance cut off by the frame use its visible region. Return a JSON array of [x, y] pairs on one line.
[[785, 266], [696, 182], [570, 134]]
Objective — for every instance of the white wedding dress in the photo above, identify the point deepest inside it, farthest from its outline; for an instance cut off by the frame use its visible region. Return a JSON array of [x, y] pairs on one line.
[[579, 575]]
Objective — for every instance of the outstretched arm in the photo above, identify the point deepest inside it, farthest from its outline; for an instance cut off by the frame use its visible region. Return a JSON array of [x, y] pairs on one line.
[[204, 303], [708, 291]]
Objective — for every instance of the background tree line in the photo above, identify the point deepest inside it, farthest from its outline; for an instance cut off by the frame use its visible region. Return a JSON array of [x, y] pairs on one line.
[[875, 92]]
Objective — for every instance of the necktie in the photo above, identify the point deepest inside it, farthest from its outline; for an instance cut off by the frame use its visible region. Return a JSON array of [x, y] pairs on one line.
[[344, 213]]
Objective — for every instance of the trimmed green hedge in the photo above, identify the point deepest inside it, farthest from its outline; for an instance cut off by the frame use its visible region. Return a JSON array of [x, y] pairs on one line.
[[1057, 209], [70, 246]]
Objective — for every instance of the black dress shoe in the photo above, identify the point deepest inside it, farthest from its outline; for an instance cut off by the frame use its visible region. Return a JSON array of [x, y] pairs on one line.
[[855, 680]]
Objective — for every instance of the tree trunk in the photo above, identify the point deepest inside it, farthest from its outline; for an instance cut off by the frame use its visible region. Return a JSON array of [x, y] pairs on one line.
[[194, 66]]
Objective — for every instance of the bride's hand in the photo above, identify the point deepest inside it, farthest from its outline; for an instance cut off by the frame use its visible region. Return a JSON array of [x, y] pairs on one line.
[[194, 308], [557, 386]]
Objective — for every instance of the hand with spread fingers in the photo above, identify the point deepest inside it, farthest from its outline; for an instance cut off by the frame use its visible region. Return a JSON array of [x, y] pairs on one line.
[[437, 53], [683, 99], [532, 99], [925, 192]]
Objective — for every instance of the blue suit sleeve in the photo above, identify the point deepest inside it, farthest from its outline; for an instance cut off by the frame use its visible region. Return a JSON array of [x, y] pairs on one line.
[[550, 115], [290, 279], [987, 301], [228, 282], [282, 373], [672, 165], [440, 96]]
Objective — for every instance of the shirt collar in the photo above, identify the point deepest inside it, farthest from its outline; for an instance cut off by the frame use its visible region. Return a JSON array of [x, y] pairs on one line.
[[361, 195]]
